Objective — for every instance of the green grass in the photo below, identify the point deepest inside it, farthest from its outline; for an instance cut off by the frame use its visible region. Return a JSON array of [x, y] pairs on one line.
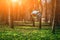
[[28, 33]]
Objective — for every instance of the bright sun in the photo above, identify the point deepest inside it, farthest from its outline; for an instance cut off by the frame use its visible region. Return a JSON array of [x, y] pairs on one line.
[[14, 1]]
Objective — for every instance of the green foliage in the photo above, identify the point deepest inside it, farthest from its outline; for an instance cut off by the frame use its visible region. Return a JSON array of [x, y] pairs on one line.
[[27, 33]]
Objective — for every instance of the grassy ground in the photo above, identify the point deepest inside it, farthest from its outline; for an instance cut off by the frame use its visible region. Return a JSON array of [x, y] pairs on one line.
[[28, 33]]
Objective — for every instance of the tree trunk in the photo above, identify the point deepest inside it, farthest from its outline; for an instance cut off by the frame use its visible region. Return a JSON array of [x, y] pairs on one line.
[[40, 22], [10, 18], [53, 23], [11, 21], [41, 10], [46, 19], [33, 20]]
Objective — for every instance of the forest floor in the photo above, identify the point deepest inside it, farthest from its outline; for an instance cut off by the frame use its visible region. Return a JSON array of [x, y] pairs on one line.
[[28, 33]]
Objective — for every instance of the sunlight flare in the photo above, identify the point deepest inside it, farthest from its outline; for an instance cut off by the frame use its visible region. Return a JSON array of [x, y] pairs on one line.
[[13, 1]]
